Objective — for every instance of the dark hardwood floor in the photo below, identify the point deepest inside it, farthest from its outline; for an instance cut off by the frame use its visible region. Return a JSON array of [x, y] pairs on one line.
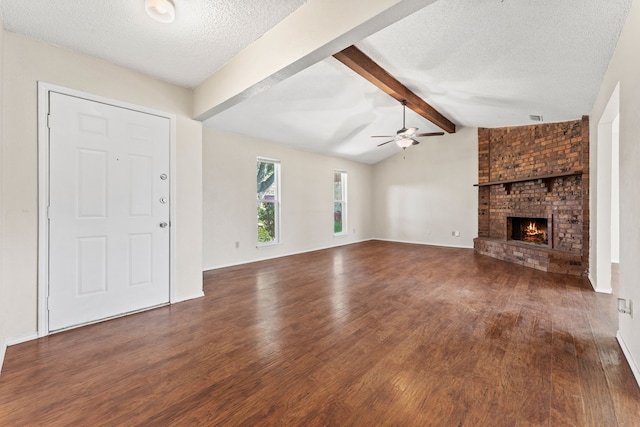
[[369, 334]]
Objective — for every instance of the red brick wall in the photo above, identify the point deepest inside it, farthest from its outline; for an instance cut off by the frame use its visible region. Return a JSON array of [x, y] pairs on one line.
[[585, 193], [527, 152], [530, 151], [483, 177]]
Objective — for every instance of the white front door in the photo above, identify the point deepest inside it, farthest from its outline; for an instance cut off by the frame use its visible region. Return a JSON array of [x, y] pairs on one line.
[[108, 210]]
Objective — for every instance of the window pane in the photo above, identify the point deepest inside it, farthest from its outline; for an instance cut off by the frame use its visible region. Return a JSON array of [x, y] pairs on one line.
[[266, 180], [266, 222], [268, 195], [337, 186], [337, 217], [339, 202]]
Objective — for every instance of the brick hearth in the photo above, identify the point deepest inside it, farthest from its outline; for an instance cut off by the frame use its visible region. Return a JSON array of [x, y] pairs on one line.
[[538, 171]]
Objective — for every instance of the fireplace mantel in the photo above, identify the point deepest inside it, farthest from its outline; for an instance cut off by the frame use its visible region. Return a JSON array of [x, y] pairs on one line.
[[548, 179]]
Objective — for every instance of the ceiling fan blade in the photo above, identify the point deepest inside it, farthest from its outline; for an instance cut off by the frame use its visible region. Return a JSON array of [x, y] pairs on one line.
[[382, 136], [410, 132], [415, 142], [430, 134], [391, 140]]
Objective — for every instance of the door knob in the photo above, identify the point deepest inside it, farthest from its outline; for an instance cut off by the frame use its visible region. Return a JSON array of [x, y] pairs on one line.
[[163, 225]]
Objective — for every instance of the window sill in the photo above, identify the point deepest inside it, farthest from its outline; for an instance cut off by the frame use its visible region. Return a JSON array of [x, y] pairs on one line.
[[267, 245], [340, 234]]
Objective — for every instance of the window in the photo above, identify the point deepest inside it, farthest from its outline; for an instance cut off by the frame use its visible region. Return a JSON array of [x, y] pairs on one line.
[[339, 202], [268, 192]]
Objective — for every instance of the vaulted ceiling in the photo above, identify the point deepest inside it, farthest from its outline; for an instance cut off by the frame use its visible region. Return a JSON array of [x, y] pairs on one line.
[[482, 63]]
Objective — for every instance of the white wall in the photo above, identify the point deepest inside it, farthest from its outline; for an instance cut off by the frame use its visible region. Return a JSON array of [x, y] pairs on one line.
[[625, 69], [4, 321], [26, 62], [425, 193], [229, 215], [615, 190]]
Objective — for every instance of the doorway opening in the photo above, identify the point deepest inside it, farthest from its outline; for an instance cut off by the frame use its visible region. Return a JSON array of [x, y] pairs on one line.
[[607, 221]]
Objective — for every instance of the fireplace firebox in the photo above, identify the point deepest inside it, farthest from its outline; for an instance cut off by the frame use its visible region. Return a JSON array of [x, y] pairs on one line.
[[528, 230]]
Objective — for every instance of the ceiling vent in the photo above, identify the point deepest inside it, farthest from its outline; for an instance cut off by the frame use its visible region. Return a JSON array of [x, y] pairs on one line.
[[535, 117]]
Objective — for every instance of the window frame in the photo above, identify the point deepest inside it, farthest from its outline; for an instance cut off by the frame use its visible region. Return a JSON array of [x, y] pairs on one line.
[[277, 202], [342, 201]]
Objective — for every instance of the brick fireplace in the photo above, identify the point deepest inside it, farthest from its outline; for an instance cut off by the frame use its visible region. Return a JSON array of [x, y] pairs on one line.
[[533, 195]]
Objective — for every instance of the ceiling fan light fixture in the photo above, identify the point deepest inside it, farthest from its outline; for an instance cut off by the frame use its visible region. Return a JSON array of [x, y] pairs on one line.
[[404, 143], [161, 10], [404, 138]]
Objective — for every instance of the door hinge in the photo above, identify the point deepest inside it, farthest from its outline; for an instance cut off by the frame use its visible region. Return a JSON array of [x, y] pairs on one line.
[[49, 120], [48, 212], [48, 303]]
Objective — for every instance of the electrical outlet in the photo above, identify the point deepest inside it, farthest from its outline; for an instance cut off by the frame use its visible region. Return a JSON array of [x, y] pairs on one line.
[[428, 231], [625, 306], [455, 233]]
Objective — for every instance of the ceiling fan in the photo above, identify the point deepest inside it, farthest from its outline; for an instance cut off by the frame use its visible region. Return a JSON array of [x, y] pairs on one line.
[[406, 137]]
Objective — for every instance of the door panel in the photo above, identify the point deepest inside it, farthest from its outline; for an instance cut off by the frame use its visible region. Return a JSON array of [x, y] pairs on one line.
[[140, 259], [92, 184], [108, 254], [92, 265]]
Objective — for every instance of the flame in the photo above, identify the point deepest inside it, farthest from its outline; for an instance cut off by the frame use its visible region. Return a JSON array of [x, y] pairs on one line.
[[533, 233], [531, 229]]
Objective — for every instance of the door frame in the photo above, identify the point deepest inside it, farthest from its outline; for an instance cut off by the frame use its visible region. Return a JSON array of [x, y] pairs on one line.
[[43, 191]]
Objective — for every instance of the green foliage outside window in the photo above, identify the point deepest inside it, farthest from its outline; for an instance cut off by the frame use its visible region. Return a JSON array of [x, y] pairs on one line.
[[266, 222], [267, 199], [339, 201]]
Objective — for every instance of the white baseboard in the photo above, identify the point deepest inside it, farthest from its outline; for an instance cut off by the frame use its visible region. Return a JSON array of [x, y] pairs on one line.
[[188, 297], [592, 280], [20, 340], [411, 242], [13, 341], [627, 355], [248, 261], [3, 351], [595, 287]]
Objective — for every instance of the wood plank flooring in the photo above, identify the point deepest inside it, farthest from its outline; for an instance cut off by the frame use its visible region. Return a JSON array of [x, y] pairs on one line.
[[375, 333]]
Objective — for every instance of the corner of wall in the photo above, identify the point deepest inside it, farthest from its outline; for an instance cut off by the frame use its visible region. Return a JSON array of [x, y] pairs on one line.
[[3, 351], [586, 212], [3, 299], [629, 356]]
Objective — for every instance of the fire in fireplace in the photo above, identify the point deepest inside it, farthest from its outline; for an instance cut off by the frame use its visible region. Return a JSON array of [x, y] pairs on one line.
[[530, 230]]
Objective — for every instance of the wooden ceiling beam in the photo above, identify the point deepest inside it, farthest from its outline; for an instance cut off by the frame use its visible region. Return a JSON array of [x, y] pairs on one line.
[[355, 59]]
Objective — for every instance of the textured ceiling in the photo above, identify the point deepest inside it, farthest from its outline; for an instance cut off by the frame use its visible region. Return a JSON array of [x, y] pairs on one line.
[[493, 62], [484, 63], [204, 36]]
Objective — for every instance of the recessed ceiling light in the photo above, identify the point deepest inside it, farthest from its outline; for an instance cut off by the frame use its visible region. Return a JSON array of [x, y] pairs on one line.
[[161, 10], [535, 117]]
